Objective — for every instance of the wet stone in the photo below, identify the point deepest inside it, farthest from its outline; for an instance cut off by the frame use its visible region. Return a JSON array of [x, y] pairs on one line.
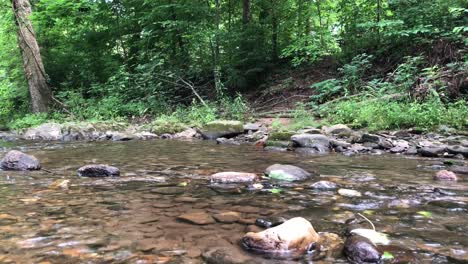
[[349, 193], [225, 255], [197, 218], [270, 221], [99, 170], [19, 161], [358, 249], [287, 172], [232, 177], [227, 217], [445, 175], [324, 185]]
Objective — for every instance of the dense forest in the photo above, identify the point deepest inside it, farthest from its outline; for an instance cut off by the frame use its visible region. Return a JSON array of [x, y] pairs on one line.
[[393, 63]]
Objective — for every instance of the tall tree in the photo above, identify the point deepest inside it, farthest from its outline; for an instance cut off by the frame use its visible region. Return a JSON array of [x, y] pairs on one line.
[[246, 12], [40, 92]]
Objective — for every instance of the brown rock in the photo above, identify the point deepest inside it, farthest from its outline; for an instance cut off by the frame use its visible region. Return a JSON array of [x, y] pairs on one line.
[[445, 175], [197, 218], [227, 217]]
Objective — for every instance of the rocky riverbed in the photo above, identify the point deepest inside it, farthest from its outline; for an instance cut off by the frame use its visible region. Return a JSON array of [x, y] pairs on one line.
[[171, 201]]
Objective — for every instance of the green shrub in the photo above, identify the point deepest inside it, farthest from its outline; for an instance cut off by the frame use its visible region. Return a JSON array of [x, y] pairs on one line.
[[27, 121], [381, 114]]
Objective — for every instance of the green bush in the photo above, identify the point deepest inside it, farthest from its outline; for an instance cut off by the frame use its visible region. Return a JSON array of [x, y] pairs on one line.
[[27, 121], [381, 114]]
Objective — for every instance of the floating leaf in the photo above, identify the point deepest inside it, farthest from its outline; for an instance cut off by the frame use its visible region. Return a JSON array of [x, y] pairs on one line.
[[368, 212], [387, 255], [275, 191], [426, 214], [280, 175], [183, 184], [374, 236]]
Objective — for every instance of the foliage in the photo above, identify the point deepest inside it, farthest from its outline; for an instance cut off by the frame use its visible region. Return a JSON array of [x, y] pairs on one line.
[[29, 120], [382, 114]]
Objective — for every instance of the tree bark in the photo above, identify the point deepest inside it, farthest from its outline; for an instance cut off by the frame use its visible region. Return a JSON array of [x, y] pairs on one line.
[[246, 12], [274, 35], [40, 92]]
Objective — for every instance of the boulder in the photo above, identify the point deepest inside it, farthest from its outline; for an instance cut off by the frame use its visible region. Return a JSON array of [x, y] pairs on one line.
[[359, 250], [233, 177], [287, 173], [445, 175], [280, 135], [324, 185], [270, 221], [222, 128], [458, 150], [199, 218], [189, 133], [251, 127], [290, 239], [145, 135], [121, 136], [339, 130], [98, 170], [432, 151], [400, 146], [19, 161], [227, 141], [48, 131], [459, 169], [371, 138], [319, 142]]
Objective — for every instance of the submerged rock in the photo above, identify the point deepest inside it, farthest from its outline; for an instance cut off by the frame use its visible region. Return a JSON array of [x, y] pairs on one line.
[[233, 177], [200, 218], [227, 217], [270, 221], [324, 185], [287, 173], [330, 245], [360, 250], [290, 239], [349, 193], [318, 142], [225, 255], [445, 175], [222, 128], [19, 161], [48, 131], [98, 170]]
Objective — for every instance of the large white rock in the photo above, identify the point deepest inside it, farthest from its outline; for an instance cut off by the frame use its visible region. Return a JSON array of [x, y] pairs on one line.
[[48, 131], [292, 238]]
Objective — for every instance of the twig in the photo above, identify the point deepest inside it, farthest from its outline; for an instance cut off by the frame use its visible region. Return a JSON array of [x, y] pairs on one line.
[[367, 219]]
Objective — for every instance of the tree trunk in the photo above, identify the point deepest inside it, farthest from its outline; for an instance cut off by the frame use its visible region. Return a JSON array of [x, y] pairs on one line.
[[40, 92], [246, 12], [274, 35]]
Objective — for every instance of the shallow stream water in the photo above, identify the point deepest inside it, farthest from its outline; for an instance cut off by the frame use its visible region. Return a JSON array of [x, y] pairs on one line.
[[133, 218]]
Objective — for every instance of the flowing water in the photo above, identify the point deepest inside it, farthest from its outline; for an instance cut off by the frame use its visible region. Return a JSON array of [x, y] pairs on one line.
[[133, 218]]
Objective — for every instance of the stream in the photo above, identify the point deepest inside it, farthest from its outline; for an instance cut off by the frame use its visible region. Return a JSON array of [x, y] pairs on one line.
[[134, 218]]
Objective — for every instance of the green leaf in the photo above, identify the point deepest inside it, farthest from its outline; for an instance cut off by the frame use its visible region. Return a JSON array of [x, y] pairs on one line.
[[387, 255], [368, 212], [276, 191], [183, 184], [280, 175], [426, 214]]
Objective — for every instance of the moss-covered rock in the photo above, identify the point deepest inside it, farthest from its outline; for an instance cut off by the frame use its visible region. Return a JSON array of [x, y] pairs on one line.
[[281, 135], [277, 143], [167, 127], [222, 128]]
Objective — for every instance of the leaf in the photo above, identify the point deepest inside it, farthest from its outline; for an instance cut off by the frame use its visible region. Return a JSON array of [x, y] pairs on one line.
[[280, 175], [374, 236], [183, 184], [276, 191], [368, 212], [387, 255], [426, 214]]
